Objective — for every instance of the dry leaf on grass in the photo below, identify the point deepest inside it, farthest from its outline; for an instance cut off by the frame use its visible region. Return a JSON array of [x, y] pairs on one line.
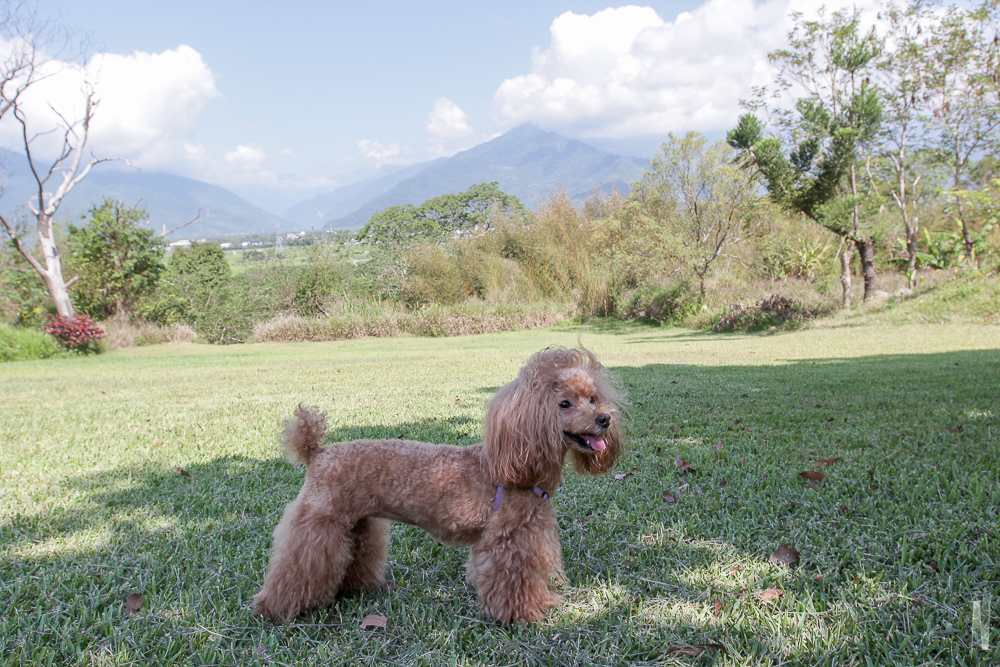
[[826, 462], [786, 554], [373, 621], [812, 476], [133, 604], [718, 608], [768, 595], [181, 471], [694, 650], [683, 466], [667, 498]]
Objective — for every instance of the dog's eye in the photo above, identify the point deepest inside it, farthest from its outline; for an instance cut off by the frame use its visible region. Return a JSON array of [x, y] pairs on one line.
[[591, 399], [565, 404]]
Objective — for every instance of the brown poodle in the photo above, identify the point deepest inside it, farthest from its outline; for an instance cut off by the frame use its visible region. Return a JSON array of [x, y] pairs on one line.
[[492, 497]]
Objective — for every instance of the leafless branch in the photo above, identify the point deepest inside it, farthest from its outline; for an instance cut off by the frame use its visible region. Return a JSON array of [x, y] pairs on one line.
[[35, 264], [189, 222]]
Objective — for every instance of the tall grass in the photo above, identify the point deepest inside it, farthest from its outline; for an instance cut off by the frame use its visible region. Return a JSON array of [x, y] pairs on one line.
[[387, 319], [121, 332]]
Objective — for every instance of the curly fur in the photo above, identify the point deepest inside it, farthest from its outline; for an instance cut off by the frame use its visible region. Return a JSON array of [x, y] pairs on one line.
[[334, 537]]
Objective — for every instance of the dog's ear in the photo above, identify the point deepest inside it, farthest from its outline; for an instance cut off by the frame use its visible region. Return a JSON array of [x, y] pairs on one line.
[[522, 440], [601, 462]]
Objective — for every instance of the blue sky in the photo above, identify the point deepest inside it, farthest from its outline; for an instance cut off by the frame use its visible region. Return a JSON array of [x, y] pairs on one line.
[[281, 100]]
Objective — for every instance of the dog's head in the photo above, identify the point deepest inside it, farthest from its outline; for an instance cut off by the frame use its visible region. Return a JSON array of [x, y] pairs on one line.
[[562, 401]]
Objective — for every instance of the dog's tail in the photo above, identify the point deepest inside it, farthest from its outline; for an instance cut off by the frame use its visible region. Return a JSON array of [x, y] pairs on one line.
[[302, 434]]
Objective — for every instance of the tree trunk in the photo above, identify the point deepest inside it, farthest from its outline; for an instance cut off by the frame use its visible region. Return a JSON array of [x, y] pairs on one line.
[[53, 275], [866, 251], [845, 273], [911, 251]]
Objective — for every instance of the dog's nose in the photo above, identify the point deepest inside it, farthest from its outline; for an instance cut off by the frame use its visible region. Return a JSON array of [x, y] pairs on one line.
[[603, 420]]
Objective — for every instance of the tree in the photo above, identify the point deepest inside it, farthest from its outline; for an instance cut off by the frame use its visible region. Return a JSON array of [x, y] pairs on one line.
[[23, 67], [963, 93], [438, 218], [901, 77], [119, 262], [711, 204], [199, 275], [815, 166]]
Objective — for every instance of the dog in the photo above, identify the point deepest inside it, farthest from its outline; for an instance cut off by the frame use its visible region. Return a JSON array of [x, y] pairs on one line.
[[492, 497]]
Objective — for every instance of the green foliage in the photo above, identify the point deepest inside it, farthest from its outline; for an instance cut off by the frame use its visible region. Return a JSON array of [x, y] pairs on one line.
[[438, 218], [23, 297], [119, 262], [711, 204], [813, 170], [664, 304], [25, 344], [197, 291]]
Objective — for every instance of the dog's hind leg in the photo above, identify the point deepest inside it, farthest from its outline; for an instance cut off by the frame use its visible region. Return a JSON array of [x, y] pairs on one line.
[[371, 551], [308, 560]]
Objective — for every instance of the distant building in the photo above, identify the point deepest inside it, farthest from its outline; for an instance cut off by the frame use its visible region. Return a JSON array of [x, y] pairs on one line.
[[227, 244], [183, 243]]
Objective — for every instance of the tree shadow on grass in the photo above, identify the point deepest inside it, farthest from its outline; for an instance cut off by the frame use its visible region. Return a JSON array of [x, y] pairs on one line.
[[915, 441]]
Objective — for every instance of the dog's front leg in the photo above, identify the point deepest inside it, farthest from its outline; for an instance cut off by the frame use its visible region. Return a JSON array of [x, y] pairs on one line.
[[513, 563]]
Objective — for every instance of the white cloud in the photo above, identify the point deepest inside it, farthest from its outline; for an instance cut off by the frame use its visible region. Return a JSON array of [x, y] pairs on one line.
[[380, 154], [448, 129], [148, 103], [246, 158], [625, 71], [448, 132]]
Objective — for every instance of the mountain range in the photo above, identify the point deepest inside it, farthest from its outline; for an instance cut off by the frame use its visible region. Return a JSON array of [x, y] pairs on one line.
[[526, 161]]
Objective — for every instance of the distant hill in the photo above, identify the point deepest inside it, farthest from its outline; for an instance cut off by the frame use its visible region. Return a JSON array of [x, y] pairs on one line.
[[346, 199], [526, 161], [170, 200]]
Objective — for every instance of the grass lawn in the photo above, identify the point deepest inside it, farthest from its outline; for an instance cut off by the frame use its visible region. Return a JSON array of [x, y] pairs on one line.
[[154, 471]]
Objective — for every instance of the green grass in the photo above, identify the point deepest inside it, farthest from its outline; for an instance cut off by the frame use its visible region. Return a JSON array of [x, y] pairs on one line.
[[896, 543], [23, 344]]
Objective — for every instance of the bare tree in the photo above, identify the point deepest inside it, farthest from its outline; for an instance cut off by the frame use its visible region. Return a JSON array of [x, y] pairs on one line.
[[23, 67]]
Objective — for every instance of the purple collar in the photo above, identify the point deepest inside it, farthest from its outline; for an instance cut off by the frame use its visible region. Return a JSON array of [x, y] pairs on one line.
[[496, 501]]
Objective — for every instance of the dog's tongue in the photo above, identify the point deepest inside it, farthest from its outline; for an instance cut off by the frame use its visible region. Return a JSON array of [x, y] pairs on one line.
[[596, 442]]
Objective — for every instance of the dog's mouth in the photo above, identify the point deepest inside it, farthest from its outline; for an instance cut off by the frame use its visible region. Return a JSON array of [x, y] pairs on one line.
[[587, 441]]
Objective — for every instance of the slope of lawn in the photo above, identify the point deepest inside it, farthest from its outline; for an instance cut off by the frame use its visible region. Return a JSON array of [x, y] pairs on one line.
[[154, 472]]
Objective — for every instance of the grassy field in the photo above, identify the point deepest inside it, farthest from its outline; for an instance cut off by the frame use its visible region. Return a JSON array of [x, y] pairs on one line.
[[154, 471]]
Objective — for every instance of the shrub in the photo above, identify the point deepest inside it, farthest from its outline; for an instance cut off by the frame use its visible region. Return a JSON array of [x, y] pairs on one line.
[[775, 311], [121, 332], [78, 332], [22, 344], [671, 303]]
